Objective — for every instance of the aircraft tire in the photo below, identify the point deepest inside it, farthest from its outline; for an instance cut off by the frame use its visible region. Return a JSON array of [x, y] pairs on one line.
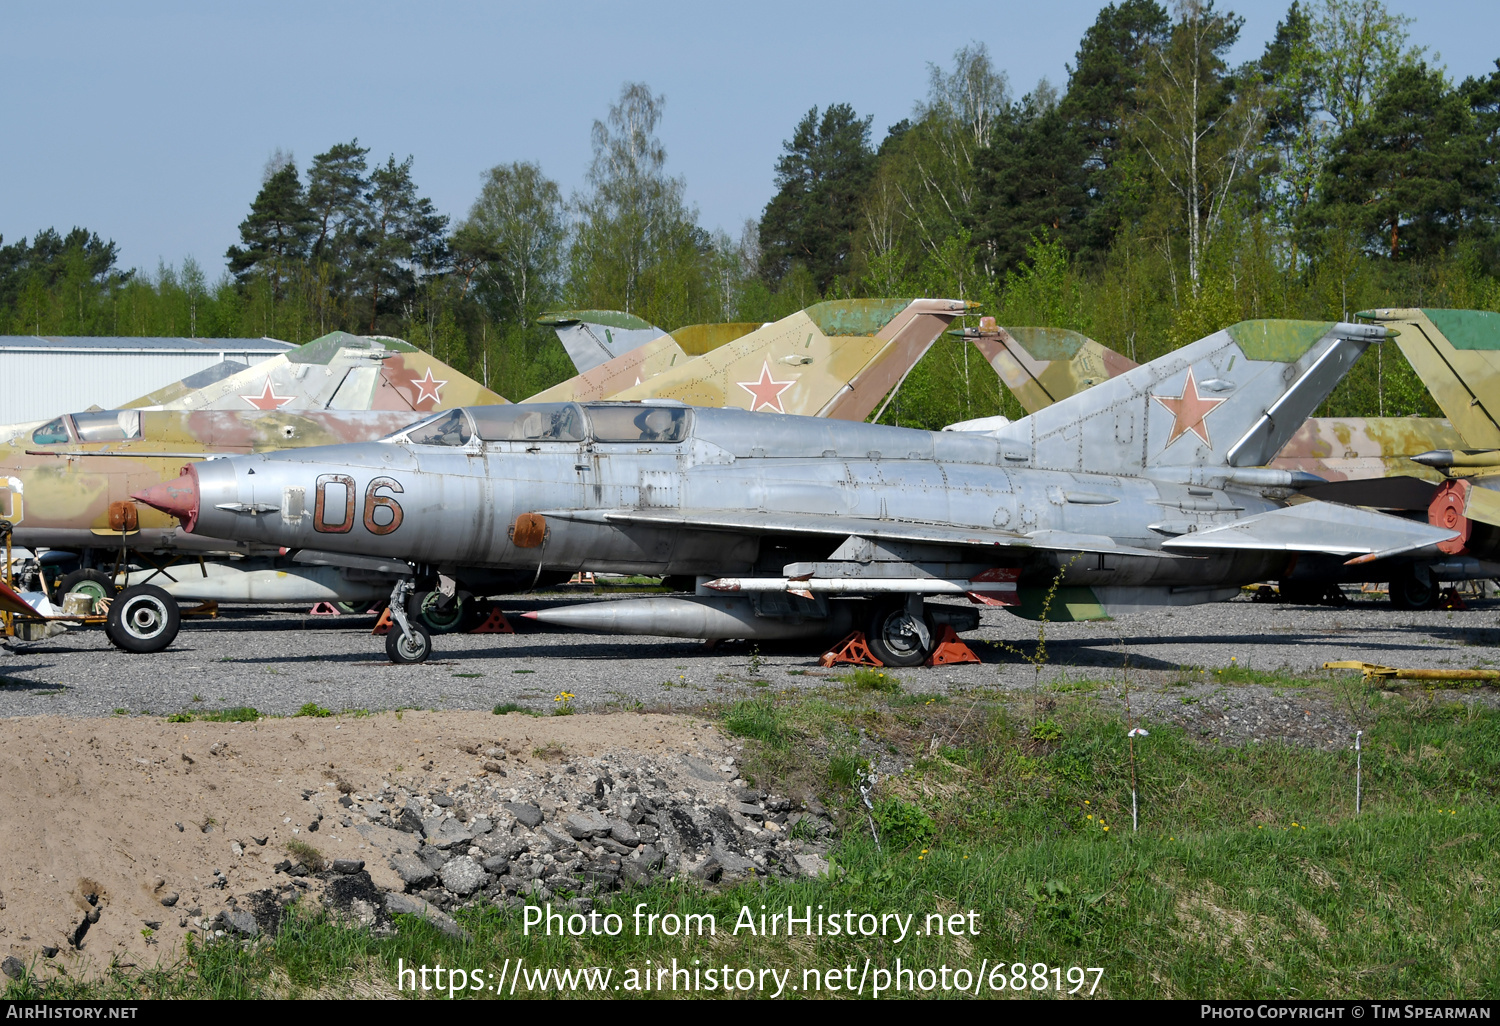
[[142, 618], [94, 583], [438, 619], [401, 651], [893, 638], [1409, 592]]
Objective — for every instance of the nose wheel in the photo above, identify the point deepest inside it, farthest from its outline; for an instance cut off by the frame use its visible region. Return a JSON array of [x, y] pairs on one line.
[[408, 641], [413, 645]]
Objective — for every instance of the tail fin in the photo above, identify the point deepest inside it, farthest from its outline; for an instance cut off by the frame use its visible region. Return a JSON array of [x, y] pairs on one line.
[[627, 370], [1456, 353], [835, 359], [356, 372], [1042, 365], [1232, 399], [594, 337]]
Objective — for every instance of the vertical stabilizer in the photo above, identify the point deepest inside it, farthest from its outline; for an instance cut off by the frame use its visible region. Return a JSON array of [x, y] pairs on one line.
[[594, 337], [1232, 399], [1456, 353]]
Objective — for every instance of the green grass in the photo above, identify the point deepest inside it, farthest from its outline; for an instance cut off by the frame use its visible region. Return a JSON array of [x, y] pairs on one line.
[[869, 679], [234, 714], [306, 854], [313, 709], [1251, 876], [760, 720], [510, 707]]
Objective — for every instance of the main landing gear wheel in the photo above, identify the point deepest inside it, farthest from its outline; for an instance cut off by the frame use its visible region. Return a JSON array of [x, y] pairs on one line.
[[896, 637], [441, 614], [401, 647], [142, 618], [1410, 591], [93, 583]]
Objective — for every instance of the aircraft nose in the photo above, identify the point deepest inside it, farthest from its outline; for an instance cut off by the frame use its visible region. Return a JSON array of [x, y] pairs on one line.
[[178, 498]]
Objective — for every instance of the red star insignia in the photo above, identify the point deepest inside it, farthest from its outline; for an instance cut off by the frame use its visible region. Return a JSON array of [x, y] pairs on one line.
[[268, 399], [766, 391], [1188, 411], [428, 388]]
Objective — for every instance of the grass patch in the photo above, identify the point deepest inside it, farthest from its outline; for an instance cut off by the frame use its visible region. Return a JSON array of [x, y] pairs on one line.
[[234, 714], [760, 720], [313, 709], [468, 675], [1251, 876], [867, 678], [510, 707], [306, 854]]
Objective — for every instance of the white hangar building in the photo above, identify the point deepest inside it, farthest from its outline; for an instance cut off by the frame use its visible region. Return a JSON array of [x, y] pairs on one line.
[[42, 376]]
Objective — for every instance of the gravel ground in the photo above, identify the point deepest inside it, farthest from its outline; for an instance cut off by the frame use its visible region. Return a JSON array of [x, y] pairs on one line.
[[277, 660]]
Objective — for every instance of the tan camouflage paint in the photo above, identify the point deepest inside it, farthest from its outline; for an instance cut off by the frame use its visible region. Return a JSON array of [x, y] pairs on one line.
[[1043, 365], [71, 490], [1456, 353], [697, 339], [1356, 448], [336, 371], [835, 359], [614, 376]]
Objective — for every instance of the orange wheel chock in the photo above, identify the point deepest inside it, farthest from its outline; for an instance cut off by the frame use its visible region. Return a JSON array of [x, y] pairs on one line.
[[853, 651], [383, 625], [951, 649], [496, 623]]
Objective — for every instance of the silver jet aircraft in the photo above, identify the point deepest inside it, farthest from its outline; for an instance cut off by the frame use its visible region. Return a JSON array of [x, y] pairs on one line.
[[1147, 490]]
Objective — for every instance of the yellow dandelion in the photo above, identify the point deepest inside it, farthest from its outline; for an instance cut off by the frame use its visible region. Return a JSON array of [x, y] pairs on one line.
[[1106, 828], [1085, 801], [1091, 817]]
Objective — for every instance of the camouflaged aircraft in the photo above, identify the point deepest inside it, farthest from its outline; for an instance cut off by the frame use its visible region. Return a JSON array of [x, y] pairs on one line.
[[67, 482], [611, 354], [835, 359], [338, 371], [1457, 355], [1144, 491], [1042, 365]]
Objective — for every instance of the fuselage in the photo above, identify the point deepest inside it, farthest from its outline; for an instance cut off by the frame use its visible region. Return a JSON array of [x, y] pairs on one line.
[[458, 496]]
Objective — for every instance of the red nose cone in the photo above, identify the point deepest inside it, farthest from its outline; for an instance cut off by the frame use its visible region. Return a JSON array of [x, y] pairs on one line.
[[177, 498]]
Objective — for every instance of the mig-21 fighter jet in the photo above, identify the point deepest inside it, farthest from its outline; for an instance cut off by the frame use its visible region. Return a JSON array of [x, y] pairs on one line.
[[1147, 490]]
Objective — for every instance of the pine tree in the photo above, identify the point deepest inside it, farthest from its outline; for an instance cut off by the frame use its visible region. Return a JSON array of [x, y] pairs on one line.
[[821, 180], [1411, 176], [276, 233]]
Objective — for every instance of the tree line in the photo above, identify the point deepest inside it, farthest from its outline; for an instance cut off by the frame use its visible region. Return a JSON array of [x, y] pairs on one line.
[[1158, 195]]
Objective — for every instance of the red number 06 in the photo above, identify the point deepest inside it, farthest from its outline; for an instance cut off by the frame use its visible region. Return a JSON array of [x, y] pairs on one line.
[[374, 501]]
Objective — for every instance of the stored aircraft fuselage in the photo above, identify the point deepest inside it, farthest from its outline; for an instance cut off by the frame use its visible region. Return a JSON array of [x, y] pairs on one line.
[[671, 490]]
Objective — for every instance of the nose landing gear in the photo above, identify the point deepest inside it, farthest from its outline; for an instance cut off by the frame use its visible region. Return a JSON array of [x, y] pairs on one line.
[[411, 643]]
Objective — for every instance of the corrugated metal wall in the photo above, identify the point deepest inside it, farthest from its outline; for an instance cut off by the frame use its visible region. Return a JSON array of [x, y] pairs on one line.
[[38, 381]]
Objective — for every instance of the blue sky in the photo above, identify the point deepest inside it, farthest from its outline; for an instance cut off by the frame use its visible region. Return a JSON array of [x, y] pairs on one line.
[[151, 123]]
